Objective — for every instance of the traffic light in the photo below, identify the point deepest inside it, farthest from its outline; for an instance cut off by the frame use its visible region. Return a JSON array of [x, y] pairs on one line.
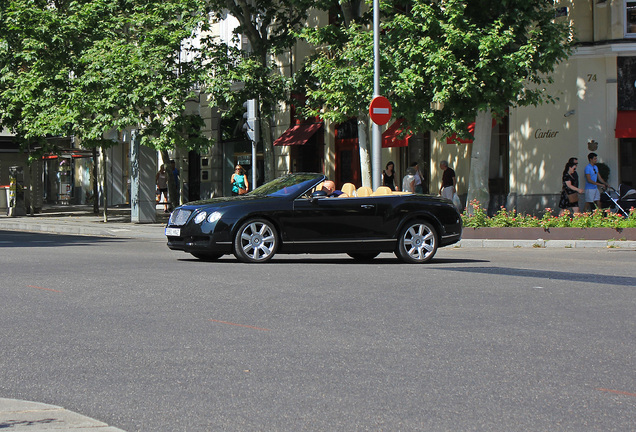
[[250, 116]]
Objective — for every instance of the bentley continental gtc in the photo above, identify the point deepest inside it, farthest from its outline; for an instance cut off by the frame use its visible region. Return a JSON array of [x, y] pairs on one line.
[[294, 215]]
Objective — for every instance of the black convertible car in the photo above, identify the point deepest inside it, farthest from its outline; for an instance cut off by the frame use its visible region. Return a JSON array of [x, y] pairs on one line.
[[292, 215]]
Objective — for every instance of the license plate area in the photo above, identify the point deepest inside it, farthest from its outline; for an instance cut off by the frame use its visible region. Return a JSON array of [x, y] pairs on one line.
[[173, 232]]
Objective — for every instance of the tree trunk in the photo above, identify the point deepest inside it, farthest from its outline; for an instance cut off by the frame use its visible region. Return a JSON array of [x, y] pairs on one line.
[[105, 184], [479, 161], [173, 197], [268, 149], [95, 185], [350, 11], [363, 144]]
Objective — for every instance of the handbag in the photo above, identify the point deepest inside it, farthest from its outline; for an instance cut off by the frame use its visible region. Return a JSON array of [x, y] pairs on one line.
[[242, 191], [573, 198]]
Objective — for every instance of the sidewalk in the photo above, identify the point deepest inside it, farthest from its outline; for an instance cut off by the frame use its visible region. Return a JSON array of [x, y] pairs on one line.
[[18, 415], [80, 220]]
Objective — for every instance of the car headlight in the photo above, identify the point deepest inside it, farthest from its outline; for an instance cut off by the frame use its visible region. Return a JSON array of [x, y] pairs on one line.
[[200, 217], [214, 217]]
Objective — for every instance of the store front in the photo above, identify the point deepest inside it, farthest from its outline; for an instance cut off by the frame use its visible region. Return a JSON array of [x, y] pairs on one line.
[[69, 177], [305, 146]]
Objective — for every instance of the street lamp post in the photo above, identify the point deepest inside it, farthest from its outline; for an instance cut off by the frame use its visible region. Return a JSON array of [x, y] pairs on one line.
[[376, 138]]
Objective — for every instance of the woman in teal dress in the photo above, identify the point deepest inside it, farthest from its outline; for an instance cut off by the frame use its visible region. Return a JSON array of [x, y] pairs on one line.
[[239, 181]]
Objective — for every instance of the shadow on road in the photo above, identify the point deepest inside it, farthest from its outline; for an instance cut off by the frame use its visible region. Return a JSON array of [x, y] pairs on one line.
[[344, 260], [547, 274], [13, 239]]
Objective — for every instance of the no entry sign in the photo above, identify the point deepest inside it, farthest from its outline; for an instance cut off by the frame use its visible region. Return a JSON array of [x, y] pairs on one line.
[[380, 110]]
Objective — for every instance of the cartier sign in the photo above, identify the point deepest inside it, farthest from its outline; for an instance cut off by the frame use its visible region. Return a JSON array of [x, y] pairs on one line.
[[545, 134]]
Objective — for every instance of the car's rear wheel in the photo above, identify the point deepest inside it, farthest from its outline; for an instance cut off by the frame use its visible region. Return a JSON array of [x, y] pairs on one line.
[[363, 256], [256, 241], [206, 256], [417, 243]]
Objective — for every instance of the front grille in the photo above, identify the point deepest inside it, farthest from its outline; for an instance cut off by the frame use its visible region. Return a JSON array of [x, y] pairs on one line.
[[179, 217]]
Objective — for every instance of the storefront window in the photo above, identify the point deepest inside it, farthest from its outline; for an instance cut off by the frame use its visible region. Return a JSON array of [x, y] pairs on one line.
[[630, 19]]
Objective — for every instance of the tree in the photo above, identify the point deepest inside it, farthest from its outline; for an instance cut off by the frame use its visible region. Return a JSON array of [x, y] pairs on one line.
[[338, 79], [442, 62], [82, 68], [471, 59], [269, 26]]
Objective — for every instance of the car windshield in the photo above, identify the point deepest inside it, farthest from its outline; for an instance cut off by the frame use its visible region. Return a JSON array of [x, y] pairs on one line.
[[289, 185]]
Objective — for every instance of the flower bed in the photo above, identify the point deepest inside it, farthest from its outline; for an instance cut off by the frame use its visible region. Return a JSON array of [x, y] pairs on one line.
[[504, 218], [597, 225]]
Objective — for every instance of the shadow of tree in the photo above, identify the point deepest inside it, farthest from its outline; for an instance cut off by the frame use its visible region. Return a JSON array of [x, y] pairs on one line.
[[13, 239]]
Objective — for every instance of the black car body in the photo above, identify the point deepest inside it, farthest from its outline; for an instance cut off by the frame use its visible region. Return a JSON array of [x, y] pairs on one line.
[[288, 215]]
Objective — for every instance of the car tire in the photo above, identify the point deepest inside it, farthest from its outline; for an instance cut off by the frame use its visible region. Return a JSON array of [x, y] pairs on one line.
[[205, 256], [417, 243], [256, 241], [363, 256]]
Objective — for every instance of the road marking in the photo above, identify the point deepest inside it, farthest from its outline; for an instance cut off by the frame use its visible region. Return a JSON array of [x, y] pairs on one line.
[[617, 392], [240, 325], [44, 289]]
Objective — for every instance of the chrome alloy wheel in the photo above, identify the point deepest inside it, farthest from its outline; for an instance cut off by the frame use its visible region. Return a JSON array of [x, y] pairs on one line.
[[256, 241], [418, 243]]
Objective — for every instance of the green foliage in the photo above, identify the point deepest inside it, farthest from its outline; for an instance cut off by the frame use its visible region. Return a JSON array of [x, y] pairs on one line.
[[504, 218], [441, 61], [231, 66], [87, 67]]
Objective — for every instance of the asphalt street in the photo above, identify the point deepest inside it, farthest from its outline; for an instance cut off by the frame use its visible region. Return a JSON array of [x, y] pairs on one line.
[[147, 339]]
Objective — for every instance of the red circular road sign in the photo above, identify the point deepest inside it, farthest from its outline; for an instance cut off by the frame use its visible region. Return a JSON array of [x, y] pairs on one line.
[[380, 110]]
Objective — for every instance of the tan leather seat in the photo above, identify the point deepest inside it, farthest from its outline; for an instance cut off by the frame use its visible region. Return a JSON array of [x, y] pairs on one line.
[[364, 191], [349, 189], [382, 190]]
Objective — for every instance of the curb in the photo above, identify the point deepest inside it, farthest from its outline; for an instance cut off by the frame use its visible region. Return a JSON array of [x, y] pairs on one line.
[[112, 230], [28, 416], [540, 243]]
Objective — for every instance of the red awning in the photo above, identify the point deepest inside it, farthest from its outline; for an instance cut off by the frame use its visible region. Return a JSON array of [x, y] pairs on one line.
[[453, 139], [298, 134], [390, 137], [626, 124], [69, 153]]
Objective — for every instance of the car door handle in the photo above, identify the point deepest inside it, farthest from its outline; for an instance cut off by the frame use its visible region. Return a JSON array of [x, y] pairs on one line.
[[367, 206]]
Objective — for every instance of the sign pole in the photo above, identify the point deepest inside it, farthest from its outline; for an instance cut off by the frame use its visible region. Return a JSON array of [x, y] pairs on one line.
[[376, 138]]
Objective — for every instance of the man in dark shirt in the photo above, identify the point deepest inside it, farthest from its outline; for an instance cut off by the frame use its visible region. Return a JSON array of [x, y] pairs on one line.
[[448, 181]]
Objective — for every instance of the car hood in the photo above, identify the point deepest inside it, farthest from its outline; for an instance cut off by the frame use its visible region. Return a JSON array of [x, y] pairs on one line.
[[224, 202]]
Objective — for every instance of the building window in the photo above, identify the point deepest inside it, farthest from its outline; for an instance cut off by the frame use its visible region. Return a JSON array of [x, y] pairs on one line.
[[630, 19]]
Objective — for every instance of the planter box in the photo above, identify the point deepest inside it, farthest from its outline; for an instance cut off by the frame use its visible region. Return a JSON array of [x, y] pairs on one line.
[[550, 233]]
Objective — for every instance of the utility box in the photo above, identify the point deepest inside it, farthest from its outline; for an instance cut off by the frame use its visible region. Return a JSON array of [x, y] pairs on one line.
[[16, 204]]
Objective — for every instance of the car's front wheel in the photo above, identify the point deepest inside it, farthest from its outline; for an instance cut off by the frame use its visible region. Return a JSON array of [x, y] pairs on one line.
[[417, 243], [256, 241]]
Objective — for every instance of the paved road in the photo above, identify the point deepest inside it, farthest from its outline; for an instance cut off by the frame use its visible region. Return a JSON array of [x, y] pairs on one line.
[[147, 339]]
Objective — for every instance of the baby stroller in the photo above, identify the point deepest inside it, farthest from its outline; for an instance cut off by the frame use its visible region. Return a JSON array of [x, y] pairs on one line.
[[622, 200]]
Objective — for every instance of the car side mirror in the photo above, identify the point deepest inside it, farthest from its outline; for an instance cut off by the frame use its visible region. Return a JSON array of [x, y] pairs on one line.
[[318, 194]]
